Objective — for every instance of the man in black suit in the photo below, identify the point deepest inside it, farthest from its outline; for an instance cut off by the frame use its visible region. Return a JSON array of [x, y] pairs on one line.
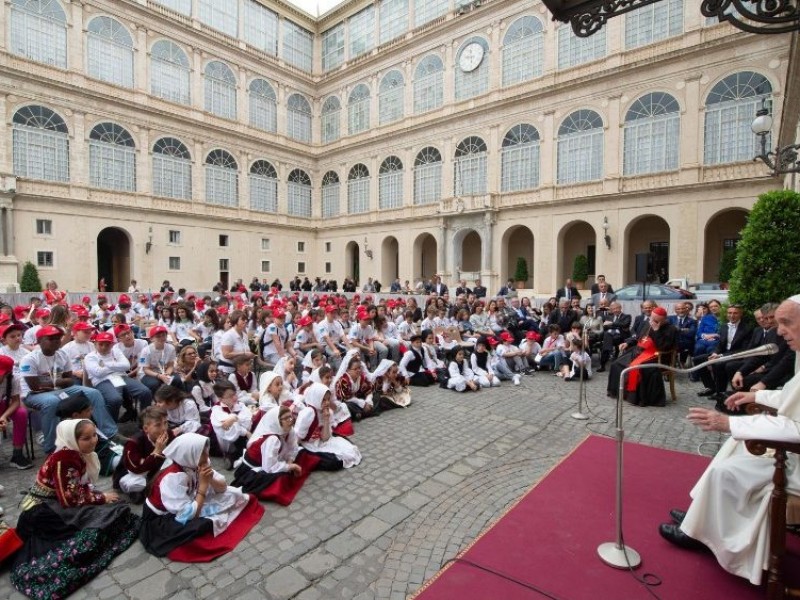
[[763, 372], [479, 290], [438, 287], [596, 285], [616, 329], [642, 321], [687, 329], [462, 289], [569, 291], [733, 337], [507, 289]]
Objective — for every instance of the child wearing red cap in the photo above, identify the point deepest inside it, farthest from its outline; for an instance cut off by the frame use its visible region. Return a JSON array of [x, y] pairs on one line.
[[12, 411], [157, 360], [11, 336], [78, 348]]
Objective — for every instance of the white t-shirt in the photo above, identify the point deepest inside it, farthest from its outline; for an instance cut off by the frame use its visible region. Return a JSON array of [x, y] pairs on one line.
[[77, 351], [36, 363], [155, 359], [17, 355]]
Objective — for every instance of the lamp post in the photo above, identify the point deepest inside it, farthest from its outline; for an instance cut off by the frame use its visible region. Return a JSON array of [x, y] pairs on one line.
[[780, 161]]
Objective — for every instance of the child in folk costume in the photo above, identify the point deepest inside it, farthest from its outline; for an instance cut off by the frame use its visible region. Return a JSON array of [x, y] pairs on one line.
[[143, 455], [429, 351], [341, 421], [231, 421], [389, 386], [481, 364], [462, 377], [274, 467], [313, 359], [244, 381], [71, 531], [412, 365], [203, 390], [353, 387], [314, 430], [272, 391], [285, 368], [190, 506], [183, 416]]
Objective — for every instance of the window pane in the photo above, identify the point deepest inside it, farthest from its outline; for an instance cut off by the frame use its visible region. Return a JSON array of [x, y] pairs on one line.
[[169, 72], [523, 51], [394, 19], [428, 10], [473, 83], [172, 176], [298, 44], [331, 119], [39, 31], [40, 154], [220, 90], [358, 109], [362, 32], [263, 108], [260, 27], [520, 159], [428, 176], [109, 52], [652, 135], [298, 118], [180, 6], [428, 84], [222, 15], [574, 50], [333, 48], [390, 101], [655, 22], [330, 199]]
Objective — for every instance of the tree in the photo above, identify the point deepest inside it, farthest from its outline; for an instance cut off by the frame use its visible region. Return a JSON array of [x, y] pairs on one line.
[[766, 256], [726, 264], [580, 268], [521, 272], [29, 282]]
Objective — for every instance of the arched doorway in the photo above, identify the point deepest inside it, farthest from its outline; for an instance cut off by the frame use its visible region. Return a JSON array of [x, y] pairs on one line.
[[114, 258], [723, 231], [575, 239], [425, 257], [352, 254], [647, 235], [517, 242], [390, 261], [470, 250]]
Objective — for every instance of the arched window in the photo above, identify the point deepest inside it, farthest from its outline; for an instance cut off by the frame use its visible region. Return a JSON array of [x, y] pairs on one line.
[[172, 169], [39, 31], [390, 183], [170, 72], [298, 118], [112, 158], [183, 7], [358, 189], [730, 109], [220, 84], [390, 97], [580, 147], [574, 50], [652, 135], [473, 81], [331, 119], [652, 23], [428, 176], [469, 167], [358, 109], [523, 50], [299, 193], [330, 195], [41, 144], [222, 179], [428, 84], [520, 158], [109, 51], [263, 106], [263, 187]]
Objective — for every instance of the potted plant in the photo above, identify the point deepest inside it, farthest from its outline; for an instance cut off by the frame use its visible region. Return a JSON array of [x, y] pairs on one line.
[[580, 271], [521, 273]]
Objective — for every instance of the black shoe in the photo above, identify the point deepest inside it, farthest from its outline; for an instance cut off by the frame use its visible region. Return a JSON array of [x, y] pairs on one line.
[[602, 369], [20, 461], [718, 397], [677, 515], [673, 534], [706, 392]]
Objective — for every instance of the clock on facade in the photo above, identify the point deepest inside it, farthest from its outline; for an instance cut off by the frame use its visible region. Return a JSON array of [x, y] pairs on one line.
[[471, 57]]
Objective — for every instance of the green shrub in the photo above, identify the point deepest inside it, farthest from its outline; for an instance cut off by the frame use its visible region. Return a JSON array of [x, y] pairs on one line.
[[580, 268], [767, 255], [29, 282], [521, 272]]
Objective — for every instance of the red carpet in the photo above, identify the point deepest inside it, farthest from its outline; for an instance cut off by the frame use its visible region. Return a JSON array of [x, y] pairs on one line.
[[549, 538]]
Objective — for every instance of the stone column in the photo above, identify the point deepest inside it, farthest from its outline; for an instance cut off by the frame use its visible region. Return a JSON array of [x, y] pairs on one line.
[[244, 180], [199, 173], [613, 139], [408, 176], [495, 57], [442, 267], [448, 93], [79, 151], [141, 64], [489, 222], [6, 157], [198, 98], [548, 150], [75, 38], [242, 101], [144, 164]]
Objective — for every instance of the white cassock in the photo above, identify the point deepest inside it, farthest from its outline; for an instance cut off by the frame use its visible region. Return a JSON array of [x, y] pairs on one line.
[[730, 503]]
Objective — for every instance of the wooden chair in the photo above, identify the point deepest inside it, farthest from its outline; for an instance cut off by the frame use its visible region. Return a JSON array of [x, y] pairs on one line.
[[783, 508], [670, 359]]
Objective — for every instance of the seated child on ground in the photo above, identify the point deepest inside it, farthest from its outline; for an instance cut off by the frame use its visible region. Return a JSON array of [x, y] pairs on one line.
[[244, 380], [183, 415], [231, 421]]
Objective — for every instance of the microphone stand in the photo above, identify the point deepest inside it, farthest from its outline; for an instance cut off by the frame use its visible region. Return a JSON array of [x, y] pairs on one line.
[[616, 554], [579, 414]]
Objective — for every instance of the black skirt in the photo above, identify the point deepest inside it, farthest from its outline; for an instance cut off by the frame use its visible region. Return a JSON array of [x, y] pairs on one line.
[[161, 534]]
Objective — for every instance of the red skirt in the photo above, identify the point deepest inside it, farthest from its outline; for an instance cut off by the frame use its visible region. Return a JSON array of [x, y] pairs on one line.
[[280, 488], [344, 429]]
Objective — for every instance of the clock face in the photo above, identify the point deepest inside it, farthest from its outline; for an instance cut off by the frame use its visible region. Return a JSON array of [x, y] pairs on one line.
[[471, 57]]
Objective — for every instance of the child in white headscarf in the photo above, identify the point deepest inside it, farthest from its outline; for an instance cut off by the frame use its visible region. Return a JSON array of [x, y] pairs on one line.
[[190, 503], [314, 430], [389, 386], [71, 531], [274, 467]]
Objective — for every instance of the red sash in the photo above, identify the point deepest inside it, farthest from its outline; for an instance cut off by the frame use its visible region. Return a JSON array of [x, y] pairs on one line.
[[155, 492], [647, 354]]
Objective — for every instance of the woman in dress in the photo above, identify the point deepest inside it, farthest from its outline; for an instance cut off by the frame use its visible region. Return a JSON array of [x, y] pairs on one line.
[[190, 510], [71, 531], [274, 467]]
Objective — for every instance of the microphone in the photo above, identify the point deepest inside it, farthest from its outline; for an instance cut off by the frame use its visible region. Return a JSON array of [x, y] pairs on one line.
[[764, 350]]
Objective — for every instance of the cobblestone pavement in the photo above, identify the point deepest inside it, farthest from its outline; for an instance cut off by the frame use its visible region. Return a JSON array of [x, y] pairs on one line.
[[433, 477]]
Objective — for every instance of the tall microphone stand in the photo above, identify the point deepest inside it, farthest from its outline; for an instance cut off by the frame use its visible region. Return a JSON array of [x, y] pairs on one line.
[[616, 554], [579, 414]]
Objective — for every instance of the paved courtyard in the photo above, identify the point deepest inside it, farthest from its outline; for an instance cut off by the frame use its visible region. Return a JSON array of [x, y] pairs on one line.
[[433, 477]]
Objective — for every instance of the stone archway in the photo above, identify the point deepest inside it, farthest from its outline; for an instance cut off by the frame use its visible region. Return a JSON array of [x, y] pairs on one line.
[[575, 238], [517, 242], [425, 257], [390, 261], [648, 234], [723, 231], [352, 254], [114, 258]]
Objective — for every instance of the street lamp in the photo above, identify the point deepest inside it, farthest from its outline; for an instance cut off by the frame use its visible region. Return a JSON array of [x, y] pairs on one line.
[[782, 160]]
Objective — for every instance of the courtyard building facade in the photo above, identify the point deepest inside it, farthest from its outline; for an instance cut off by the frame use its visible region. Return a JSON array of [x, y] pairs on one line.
[[202, 141]]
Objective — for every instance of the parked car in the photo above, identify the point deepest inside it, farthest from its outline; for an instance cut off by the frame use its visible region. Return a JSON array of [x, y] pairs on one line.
[[703, 291], [655, 291]]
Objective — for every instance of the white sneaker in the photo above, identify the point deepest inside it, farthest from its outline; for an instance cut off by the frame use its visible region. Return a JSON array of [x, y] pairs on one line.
[[2, 490], [2, 512], [516, 379]]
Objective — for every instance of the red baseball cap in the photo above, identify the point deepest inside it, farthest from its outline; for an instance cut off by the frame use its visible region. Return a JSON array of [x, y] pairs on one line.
[[82, 326], [6, 365], [278, 314], [331, 309], [6, 329], [155, 330], [124, 299], [81, 313], [121, 328], [492, 341], [506, 336], [532, 335], [303, 321], [86, 299], [101, 297], [41, 313], [105, 336], [49, 331]]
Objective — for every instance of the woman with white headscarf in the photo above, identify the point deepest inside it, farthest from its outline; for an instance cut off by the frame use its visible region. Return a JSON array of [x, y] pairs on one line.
[[70, 530], [190, 506], [353, 387], [274, 467], [285, 368], [314, 430]]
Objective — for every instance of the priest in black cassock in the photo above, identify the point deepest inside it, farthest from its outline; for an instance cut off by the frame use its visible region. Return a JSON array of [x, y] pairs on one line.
[[644, 387]]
